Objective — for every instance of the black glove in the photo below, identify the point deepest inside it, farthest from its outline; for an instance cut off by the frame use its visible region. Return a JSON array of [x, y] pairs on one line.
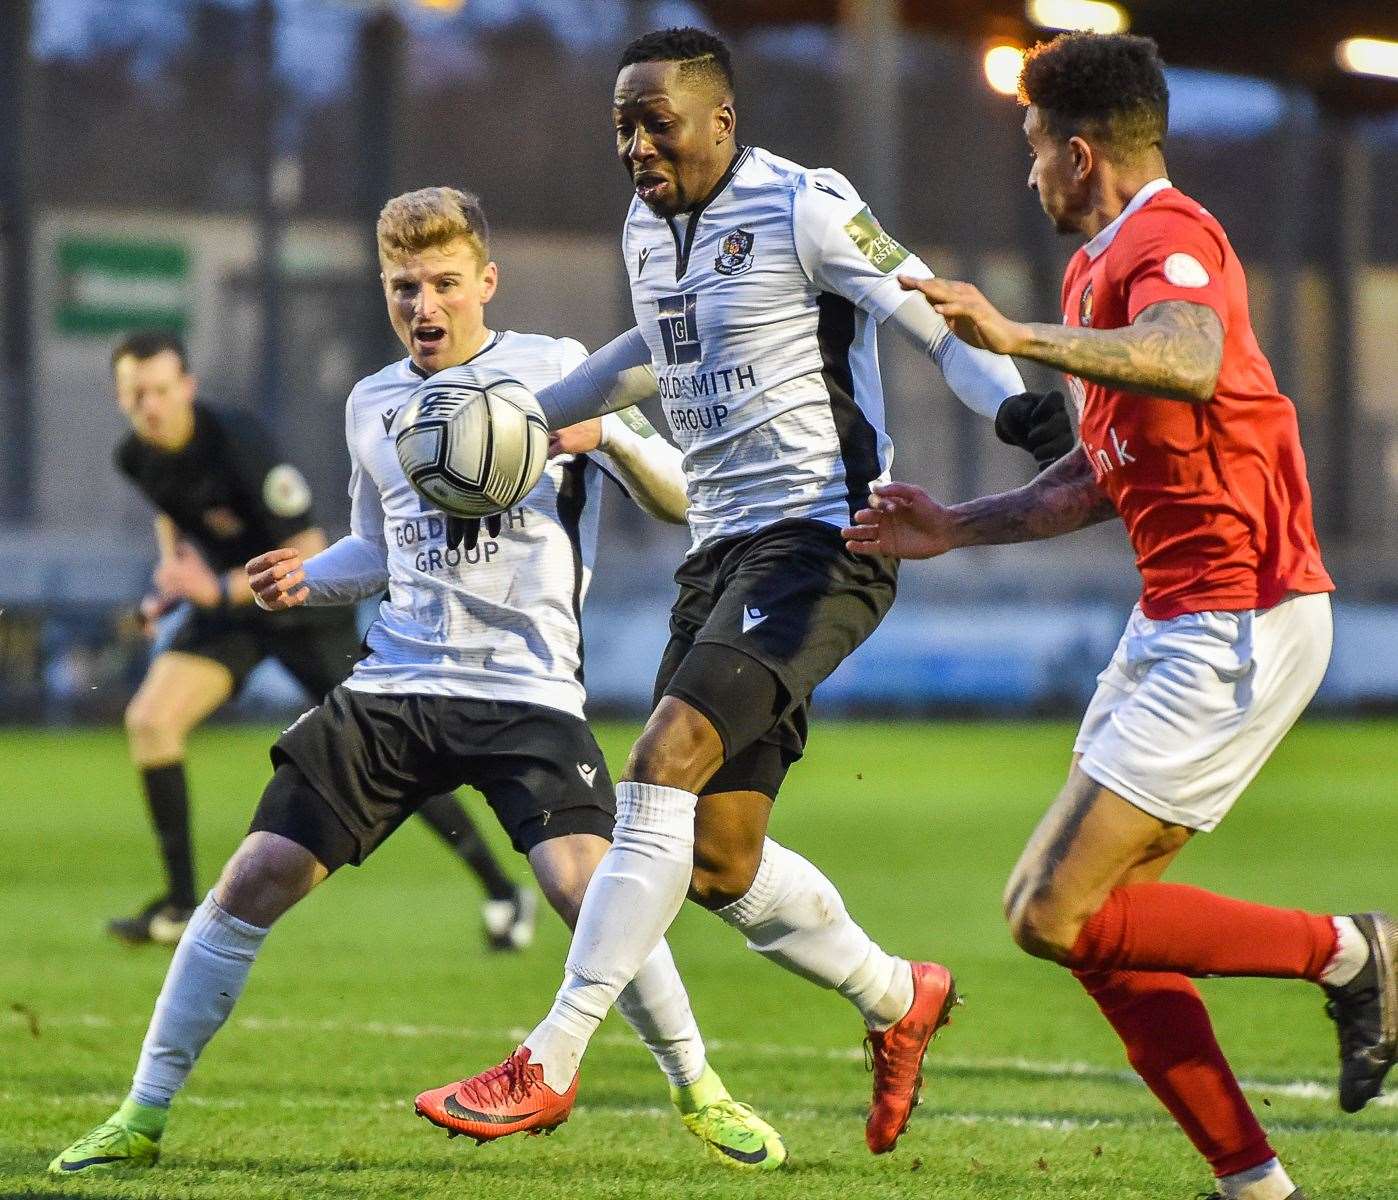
[[1037, 422], [466, 531]]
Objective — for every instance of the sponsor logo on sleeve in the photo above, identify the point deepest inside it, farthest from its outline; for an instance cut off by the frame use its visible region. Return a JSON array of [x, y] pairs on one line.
[[883, 251], [1186, 271], [735, 252], [635, 421], [285, 491]]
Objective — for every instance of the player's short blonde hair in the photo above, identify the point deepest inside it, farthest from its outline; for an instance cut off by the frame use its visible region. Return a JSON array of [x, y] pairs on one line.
[[431, 218]]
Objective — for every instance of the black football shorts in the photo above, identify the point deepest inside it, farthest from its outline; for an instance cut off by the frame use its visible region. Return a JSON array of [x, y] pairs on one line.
[[375, 758], [317, 646], [789, 601]]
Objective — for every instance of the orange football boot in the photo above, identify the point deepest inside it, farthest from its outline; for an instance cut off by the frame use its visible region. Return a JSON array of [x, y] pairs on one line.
[[510, 1098], [895, 1055]]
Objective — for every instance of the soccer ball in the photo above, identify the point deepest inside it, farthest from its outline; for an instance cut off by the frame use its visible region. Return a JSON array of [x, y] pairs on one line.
[[474, 444]]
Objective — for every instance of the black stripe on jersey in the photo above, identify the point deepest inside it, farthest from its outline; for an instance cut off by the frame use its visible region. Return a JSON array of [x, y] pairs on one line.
[[859, 441], [685, 245], [572, 498]]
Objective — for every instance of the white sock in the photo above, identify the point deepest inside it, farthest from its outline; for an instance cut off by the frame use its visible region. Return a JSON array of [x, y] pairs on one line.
[[656, 1006], [793, 916], [1351, 953], [631, 900], [205, 978], [1269, 1181]]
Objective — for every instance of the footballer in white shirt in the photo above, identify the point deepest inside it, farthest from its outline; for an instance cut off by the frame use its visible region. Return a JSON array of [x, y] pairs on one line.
[[472, 676], [757, 287]]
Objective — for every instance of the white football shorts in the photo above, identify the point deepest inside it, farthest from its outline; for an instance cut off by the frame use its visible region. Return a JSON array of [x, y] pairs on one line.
[[1189, 708]]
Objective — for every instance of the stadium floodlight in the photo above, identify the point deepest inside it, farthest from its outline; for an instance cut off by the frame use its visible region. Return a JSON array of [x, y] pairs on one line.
[[1092, 16], [1368, 56], [1002, 67]]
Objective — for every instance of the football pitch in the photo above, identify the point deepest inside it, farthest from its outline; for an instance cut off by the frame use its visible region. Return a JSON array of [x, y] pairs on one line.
[[377, 987]]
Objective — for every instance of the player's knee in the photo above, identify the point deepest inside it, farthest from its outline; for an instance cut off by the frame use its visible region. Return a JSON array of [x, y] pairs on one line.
[[145, 723], [679, 748], [154, 734], [565, 899], [721, 884], [1042, 924], [724, 867], [265, 877], [563, 867], [564, 891]]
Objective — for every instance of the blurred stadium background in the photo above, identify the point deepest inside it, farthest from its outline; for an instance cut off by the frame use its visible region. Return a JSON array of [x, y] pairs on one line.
[[215, 166]]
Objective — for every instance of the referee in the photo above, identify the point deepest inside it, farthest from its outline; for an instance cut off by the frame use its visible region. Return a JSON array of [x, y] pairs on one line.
[[223, 493]]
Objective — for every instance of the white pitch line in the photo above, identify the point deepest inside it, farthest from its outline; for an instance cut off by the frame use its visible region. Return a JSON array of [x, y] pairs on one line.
[[1015, 1120], [1293, 1089], [627, 1112]]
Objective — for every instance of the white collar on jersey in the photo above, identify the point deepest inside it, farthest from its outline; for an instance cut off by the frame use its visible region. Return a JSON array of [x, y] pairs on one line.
[[1106, 235]]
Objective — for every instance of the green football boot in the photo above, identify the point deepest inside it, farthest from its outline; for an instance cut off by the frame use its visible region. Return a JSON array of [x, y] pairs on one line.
[[130, 1137], [731, 1132]]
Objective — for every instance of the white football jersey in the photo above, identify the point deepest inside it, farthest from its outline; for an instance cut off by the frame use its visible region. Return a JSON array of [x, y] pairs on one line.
[[497, 622], [757, 310]]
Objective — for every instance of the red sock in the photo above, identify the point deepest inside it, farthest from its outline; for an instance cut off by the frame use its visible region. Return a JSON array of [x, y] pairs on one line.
[[1171, 927], [1170, 1042]]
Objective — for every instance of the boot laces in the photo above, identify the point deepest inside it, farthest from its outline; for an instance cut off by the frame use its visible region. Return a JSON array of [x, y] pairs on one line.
[[105, 1137], [507, 1082]]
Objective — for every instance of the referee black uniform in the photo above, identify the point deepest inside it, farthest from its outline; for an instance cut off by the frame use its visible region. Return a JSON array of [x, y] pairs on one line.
[[232, 497]]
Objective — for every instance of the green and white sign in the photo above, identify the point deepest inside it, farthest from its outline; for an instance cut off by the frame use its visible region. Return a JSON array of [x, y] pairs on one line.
[[107, 285], [880, 248]]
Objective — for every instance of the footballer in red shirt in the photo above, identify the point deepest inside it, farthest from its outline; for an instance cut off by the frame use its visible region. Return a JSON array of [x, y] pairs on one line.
[[1186, 438]]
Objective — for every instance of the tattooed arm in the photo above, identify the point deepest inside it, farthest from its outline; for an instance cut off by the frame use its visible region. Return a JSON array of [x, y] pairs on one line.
[[903, 521], [1173, 349]]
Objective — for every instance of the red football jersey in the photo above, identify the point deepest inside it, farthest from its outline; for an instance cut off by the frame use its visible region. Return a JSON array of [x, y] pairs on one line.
[[1214, 495]]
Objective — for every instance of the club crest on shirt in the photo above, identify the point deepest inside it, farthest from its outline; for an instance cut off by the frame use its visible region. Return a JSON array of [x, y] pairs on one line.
[[735, 252], [1085, 305]]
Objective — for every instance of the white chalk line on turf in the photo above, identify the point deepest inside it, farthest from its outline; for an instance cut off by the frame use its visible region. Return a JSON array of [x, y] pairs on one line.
[[1292, 1089], [634, 1112]]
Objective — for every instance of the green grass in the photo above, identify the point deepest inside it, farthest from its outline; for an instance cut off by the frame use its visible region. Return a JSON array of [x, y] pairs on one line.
[[376, 988]]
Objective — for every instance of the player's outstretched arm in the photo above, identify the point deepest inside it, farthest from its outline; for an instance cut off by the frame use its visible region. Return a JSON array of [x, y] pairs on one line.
[[644, 463], [650, 467], [1173, 348], [355, 567], [980, 379], [347, 571], [903, 521], [845, 251], [613, 377]]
